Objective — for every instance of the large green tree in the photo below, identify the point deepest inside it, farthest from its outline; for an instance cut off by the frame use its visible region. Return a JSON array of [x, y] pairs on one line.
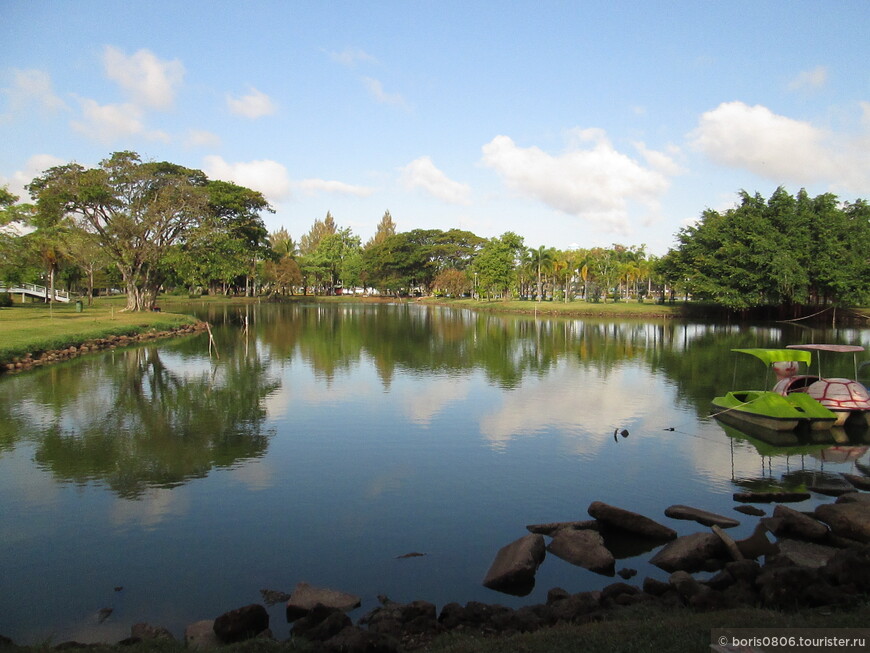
[[136, 210], [494, 267], [140, 212]]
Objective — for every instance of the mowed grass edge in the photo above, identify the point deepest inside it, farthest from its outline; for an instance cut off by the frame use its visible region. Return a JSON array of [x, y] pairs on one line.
[[36, 328]]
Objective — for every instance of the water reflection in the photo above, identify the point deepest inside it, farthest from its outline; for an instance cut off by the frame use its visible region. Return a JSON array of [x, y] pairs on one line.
[[321, 441], [794, 461], [134, 421]]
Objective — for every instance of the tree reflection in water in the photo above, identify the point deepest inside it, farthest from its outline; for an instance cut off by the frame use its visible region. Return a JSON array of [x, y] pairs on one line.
[[139, 423]]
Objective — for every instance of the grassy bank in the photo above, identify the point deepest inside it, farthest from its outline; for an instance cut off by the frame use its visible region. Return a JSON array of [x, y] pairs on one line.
[[653, 630], [33, 328]]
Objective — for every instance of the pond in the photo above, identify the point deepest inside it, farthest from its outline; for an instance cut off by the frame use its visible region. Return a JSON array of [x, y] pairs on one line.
[[323, 443]]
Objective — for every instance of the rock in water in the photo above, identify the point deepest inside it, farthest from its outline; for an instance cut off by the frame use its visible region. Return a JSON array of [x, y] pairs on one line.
[[242, 623], [690, 553], [583, 548], [630, 521], [701, 516], [787, 522], [272, 597], [860, 482], [850, 520], [515, 564], [306, 596]]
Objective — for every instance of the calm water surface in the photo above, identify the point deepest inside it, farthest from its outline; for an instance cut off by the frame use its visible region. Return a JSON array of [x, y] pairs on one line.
[[318, 443]]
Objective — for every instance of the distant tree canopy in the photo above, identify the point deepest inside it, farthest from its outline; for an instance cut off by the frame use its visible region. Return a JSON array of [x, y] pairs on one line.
[[780, 252], [161, 224]]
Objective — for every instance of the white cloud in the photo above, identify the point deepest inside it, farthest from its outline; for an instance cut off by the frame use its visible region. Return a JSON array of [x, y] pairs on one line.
[[376, 89], [255, 104], [110, 122], [268, 177], [591, 180], [422, 173], [812, 79], [149, 81], [783, 149], [32, 87], [314, 186], [33, 167], [201, 138], [351, 56]]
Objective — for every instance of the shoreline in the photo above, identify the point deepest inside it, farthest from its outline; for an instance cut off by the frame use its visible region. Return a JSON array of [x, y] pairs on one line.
[[816, 570], [77, 347]]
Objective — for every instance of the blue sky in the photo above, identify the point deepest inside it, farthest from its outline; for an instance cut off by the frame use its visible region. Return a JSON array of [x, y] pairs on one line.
[[574, 124]]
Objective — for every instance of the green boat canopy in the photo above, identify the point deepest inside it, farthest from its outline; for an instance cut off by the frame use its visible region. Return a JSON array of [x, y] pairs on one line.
[[770, 356]]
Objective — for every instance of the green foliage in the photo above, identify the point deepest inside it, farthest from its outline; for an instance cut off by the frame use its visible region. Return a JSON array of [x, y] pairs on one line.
[[5, 300], [784, 251], [496, 263], [150, 219]]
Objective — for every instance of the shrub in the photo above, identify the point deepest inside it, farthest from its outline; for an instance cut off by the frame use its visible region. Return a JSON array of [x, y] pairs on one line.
[[5, 300]]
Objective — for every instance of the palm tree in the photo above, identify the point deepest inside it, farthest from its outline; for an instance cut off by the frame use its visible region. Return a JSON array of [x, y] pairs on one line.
[[542, 260]]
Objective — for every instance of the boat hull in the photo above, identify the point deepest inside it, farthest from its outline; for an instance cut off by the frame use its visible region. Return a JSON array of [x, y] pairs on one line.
[[765, 409]]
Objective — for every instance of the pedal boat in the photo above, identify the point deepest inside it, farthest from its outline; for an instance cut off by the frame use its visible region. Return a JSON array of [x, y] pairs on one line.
[[847, 398], [773, 410]]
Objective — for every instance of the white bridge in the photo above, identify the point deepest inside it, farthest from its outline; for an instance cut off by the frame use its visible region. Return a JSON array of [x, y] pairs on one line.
[[35, 291]]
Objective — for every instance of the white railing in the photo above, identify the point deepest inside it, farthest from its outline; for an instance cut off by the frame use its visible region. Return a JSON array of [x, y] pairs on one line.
[[35, 291]]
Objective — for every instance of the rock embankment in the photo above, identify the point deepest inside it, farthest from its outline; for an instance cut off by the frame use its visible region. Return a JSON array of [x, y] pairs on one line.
[[816, 559], [38, 359]]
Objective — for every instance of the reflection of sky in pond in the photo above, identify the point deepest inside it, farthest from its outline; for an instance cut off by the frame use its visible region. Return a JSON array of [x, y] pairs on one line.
[[320, 448]]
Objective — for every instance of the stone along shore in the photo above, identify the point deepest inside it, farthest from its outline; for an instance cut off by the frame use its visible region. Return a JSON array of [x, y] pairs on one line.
[[29, 361], [818, 558]]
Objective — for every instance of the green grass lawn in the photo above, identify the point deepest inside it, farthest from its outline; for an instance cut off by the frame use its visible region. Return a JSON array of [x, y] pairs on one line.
[[31, 328]]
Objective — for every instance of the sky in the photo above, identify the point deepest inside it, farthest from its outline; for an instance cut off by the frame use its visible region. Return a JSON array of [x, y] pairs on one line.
[[573, 124]]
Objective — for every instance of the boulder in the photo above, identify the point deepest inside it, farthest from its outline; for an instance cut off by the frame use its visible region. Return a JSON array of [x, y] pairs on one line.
[[701, 516], [787, 522], [750, 510], [321, 623], [860, 482], [733, 550], [850, 520], [690, 552], [832, 487], [757, 544], [630, 521], [576, 607], [552, 527], [515, 564], [305, 597], [242, 623], [854, 497], [615, 590], [143, 631], [769, 497], [201, 635], [583, 548], [396, 619], [685, 584], [805, 554]]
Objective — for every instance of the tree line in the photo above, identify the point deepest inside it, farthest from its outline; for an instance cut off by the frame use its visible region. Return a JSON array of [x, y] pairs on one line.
[[151, 226]]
